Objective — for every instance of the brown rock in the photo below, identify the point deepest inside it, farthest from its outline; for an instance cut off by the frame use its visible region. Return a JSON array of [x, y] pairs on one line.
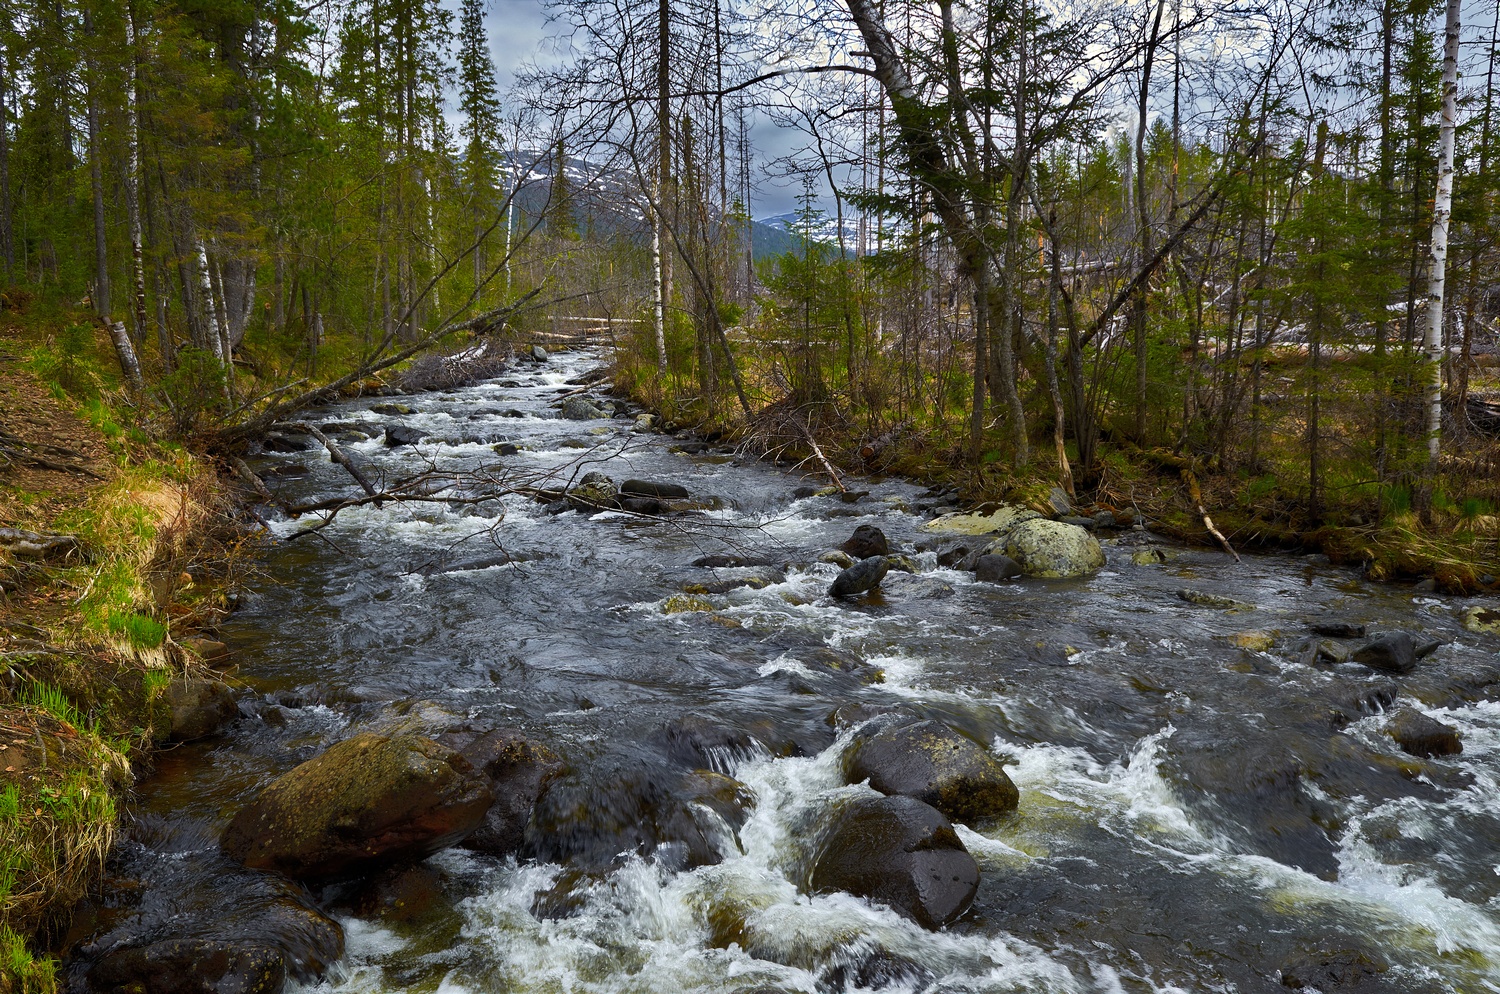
[[369, 801], [1420, 735], [199, 708]]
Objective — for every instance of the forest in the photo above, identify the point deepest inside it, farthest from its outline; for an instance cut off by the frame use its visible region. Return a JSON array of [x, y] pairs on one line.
[[1086, 244]]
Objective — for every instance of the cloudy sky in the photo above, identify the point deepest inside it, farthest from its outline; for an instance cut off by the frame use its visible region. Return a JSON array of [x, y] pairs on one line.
[[519, 32]]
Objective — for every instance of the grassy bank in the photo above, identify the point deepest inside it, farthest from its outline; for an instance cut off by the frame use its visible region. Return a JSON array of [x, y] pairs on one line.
[[92, 622]]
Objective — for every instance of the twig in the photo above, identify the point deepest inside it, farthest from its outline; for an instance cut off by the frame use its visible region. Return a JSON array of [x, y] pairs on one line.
[[337, 454]]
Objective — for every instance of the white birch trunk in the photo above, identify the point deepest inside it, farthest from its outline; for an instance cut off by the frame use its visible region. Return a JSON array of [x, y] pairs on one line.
[[659, 304], [1442, 209], [210, 315], [132, 184]]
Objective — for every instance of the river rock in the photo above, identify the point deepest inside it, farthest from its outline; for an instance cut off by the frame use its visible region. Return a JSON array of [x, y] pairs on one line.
[[648, 506], [931, 762], [516, 769], [1338, 629], [398, 435], [1393, 652], [902, 563], [837, 557], [368, 801], [862, 576], [191, 966], [993, 569], [1420, 735], [1053, 549], [539, 354], [199, 708], [899, 852], [1059, 501], [284, 442], [1001, 519], [866, 541], [392, 409], [1482, 620], [595, 492], [1203, 599], [651, 488], [581, 409], [754, 577], [1314, 651]]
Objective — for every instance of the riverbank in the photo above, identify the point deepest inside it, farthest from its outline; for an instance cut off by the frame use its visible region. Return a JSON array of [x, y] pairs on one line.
[[1451, 545], [114, 549]]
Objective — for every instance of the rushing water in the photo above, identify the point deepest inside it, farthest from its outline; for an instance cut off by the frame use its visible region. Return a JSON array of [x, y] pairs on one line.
[[1193, 817]]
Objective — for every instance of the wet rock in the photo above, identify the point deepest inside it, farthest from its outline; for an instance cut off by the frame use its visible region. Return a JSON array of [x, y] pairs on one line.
[[1204, 599], [1314, 651], [368, 801], [595, 492], [873, 970], [642, 505], [837, 557], [516, 769], [903, 563], [1482, 620], [405, 894], [899, 852], [199, 708], [862, 576], [1253, 640], [1420, 735], [1422, 647], [754, 577], [1053, 549], [278, 441], [581, 409], [697, 741], [191, 966], [590, 818], [994, 569], [1338, 629], [954, 555], [644, 424], [723, 562], [398, 435], [1148, 557], [866, 541], [934, 764], [830, 660], [1087, 524], [856, 713], [539, 354], [1394, 652], [196, 924], [506, 449], [1001, 519], [209, 650], [1343, 971], [392, 409], [651, 488], [1105, 519]]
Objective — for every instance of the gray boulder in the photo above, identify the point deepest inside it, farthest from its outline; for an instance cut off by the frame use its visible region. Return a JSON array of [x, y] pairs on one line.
[[398, 435], [199, 708], [931, 762], [1394, 652], [650, 488], [866, 541], [1052, 549], [581, 409], [1420, 735], [899, 852], [862, 576], [993, 569]]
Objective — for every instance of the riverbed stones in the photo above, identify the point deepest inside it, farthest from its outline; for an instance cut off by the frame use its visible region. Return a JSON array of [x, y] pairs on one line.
[[1053, 549], [595, 492], [191, 966], [1482, 620], [867, 541], [539, 354], [370, 800], [1393, 652], [899, 852], [863, 576], [1204, 599], [1420, 735], [1314, 651], [516, 769], [991, 568], [399, 435], [653, 488], [392, 409], [199, 708], [931, 762], [837, 557], [1339, 629]]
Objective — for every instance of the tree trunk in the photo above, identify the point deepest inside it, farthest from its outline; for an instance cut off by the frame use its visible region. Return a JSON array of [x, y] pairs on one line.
[[96, 181], [129, 364], [1442, 208], [7, 236]]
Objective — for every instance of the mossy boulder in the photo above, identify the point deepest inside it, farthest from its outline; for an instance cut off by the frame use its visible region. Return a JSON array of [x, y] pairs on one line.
[[931, 762], [199, 708], [1053, 549], [899, 852], [1004, 517], [1482, 620], [369, 801]]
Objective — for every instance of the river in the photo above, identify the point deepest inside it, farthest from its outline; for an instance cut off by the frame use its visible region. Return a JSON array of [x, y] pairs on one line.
[[1194, 816]]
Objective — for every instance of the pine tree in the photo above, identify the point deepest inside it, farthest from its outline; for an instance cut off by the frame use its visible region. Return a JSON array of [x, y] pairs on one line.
[[481, 109]]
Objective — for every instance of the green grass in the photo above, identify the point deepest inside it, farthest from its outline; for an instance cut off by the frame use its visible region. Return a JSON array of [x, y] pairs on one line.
[[139, 630], [53, 701], [23, 972]]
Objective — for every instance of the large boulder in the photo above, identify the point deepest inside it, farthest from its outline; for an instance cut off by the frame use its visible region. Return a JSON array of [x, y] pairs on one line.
[[899, 852], [1003, 518], [199, 708], [581, 409], [1053, 549], [399, 435], [1482, 619], [369, 801], [651, 488], [595, 492], [1393, 652], [517, 770], [933, 763], [867, 541], [862, 576], [1420, 735], [191, 966]]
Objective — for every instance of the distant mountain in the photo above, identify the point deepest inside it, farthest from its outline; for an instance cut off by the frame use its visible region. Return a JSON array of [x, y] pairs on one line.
[[825, 229], [608, 202]]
